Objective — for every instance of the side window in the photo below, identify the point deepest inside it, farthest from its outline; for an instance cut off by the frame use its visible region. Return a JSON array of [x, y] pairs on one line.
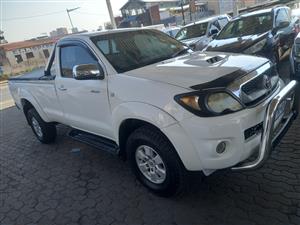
[[215, 25], [281, 16], [71, 56], [223, 22]]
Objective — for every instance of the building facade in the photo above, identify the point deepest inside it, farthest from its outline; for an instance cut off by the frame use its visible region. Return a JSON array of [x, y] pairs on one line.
[[26, 55], [227, 6], [61, 31]]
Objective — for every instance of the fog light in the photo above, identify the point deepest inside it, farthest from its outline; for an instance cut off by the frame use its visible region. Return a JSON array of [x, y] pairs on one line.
[[221, 147]]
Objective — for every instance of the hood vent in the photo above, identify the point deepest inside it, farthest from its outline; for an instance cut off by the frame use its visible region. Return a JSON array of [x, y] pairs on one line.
[[214, 59]]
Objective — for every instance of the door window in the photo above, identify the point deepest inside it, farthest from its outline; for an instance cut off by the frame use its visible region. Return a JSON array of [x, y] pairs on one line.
[[71, 56], [223, 22], [281, 16]]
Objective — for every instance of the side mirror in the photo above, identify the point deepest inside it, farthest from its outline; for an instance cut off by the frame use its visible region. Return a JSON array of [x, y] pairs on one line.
[[282, 24], [87, 72]]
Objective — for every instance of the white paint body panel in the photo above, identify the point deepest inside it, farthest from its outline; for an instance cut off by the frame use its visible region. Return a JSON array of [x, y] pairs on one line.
[[148, 94]]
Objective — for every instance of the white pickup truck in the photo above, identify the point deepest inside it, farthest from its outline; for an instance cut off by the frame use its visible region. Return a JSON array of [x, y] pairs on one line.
[[143, 95]]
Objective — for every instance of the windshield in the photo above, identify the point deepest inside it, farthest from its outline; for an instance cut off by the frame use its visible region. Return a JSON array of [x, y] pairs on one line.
[[244, 26], [134, 49], [193, 31]]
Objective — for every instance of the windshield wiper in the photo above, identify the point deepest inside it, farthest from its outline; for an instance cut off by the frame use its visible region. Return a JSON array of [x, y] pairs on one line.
[[180, 52]]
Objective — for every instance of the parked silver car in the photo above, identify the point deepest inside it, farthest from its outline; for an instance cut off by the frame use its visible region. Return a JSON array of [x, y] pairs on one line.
[[197, 35]]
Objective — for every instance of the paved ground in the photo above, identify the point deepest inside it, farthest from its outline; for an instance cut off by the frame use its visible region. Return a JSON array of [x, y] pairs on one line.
[[57, 184], [5, 97]]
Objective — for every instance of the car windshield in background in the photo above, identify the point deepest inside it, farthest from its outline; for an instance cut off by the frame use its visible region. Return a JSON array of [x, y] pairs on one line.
[[193, 31], [134, 49], [244, 26]]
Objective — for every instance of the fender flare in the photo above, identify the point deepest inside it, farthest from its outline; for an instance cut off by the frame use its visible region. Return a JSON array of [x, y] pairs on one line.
[[140, 111], [26, 95]]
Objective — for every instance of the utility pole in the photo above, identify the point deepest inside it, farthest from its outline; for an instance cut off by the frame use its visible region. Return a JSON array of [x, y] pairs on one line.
[[111, 14], [235, 8], [190, 7], [68, 11], [182, 12]]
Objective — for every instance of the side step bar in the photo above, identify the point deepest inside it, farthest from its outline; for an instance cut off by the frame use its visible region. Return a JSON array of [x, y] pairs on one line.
[[95, 141], [266, 138]]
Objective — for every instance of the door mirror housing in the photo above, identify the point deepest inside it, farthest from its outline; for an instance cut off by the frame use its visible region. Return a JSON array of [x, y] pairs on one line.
[[282, 24], [88, 72]]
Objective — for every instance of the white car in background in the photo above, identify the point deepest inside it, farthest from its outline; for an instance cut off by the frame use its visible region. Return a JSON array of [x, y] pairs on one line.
[[197, 35], [171, 31], [145, 96]]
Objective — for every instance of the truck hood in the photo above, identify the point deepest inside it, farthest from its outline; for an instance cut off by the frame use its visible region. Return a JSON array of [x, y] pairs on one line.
[[199, 68], [237, 44]]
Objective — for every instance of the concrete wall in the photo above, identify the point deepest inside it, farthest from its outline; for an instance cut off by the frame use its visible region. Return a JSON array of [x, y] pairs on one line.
[[39, 59]]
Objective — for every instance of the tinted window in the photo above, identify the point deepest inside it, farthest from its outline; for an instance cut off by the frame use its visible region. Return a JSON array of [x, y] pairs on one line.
[[71, 56], [135, 49], [244, 26], [281, 16], [223, 22], [193, 31]]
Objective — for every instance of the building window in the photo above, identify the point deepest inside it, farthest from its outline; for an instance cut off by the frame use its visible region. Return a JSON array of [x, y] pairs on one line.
[[29, 55], [18, 58], [46, 53]]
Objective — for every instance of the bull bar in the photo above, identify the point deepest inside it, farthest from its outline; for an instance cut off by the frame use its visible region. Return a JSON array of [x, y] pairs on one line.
[[267, 140]]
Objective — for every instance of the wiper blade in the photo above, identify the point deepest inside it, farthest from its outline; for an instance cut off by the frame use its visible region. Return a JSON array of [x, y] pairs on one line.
[[182, 51]]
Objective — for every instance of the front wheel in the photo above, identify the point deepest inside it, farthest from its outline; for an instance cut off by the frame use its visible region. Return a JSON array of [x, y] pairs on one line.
[[155, 162], [45, 132]]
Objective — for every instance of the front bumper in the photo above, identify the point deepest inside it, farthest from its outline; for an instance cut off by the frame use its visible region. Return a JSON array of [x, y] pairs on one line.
[[196, 139], [268, 136]]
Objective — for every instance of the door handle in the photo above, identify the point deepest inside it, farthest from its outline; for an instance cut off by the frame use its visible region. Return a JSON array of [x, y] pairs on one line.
[[95, 91]]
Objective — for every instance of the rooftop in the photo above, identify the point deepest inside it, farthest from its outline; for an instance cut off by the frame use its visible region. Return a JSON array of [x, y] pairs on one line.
[[28, 44]]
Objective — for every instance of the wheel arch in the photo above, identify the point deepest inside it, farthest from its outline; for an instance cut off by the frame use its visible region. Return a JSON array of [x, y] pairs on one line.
[[133, 115], [128, 126], [29, 102]]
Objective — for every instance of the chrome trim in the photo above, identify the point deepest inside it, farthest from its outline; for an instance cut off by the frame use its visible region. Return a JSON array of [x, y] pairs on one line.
[[236, 86], [266, 137]]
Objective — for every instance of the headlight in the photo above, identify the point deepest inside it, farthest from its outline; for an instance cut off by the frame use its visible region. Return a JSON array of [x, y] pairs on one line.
[[222, 102], [256, 47], [207, 104]]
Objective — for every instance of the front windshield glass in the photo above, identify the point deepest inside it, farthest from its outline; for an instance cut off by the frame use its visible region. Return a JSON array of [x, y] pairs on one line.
[[256, 24], [134, 49], [196, 30]]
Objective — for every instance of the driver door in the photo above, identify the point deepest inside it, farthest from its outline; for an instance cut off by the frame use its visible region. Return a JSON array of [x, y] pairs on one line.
[[85, 102]]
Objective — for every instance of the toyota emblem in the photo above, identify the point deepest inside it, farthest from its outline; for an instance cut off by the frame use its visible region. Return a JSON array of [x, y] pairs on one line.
[[267, 82]]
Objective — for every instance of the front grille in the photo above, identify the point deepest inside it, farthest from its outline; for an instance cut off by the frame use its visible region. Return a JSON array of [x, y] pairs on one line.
[[259, 87]]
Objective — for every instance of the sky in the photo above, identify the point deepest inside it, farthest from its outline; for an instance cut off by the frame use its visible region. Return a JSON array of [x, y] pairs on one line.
[[17, 26]]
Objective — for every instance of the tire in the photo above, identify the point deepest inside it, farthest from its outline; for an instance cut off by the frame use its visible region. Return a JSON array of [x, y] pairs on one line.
[[174, 180], [45, 132]]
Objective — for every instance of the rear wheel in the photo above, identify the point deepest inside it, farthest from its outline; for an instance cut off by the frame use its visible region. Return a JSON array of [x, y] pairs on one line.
[[155, 162], [45, 132]]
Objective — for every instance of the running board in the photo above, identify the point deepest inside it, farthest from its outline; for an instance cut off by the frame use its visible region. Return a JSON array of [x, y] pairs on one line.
[[95, 141]]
